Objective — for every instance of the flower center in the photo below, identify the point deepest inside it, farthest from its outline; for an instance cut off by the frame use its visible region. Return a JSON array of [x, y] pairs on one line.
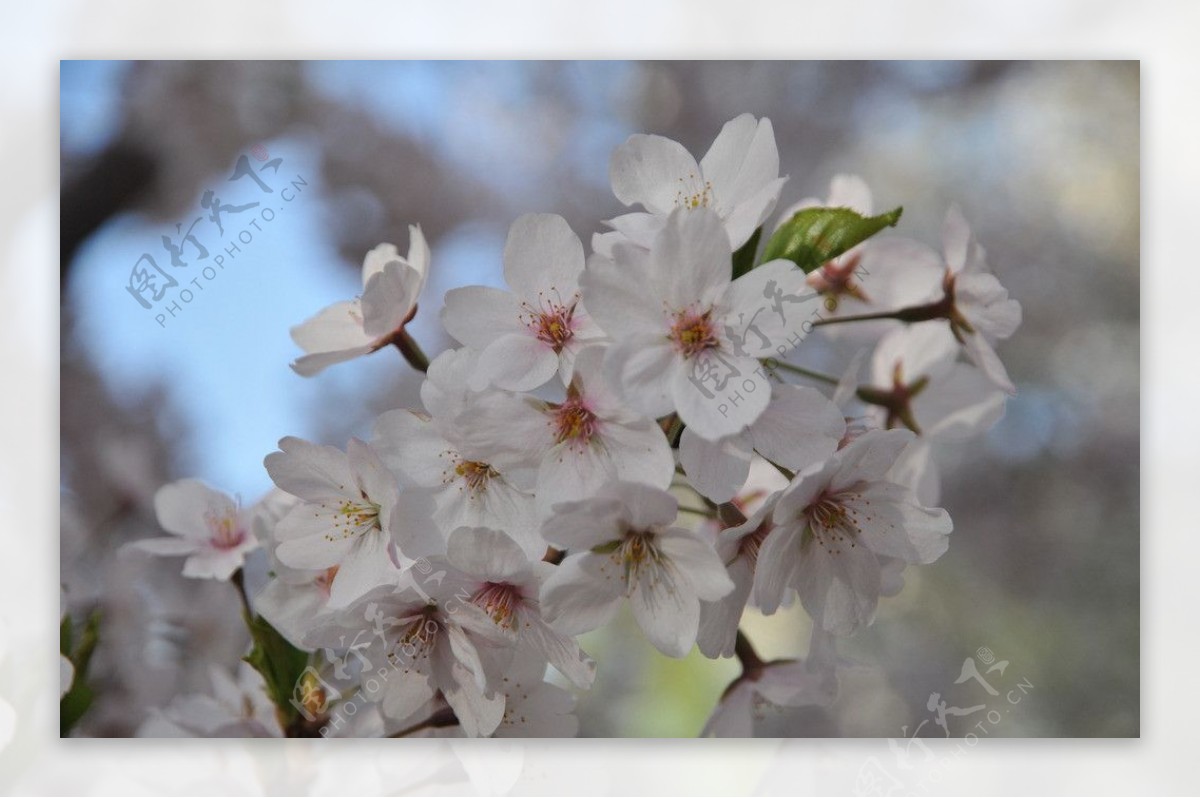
[[475, 474], [352, 519], [693, 332], [835, 279], [574, 423], [688, 198], [833, 521], [499, 600], [552, 321], [749, 546], [224, 532]]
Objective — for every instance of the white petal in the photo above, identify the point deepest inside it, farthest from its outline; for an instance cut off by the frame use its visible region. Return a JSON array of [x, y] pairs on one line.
[[559, 650], [839, 590], [516, 361], [639, 452], [182, 508], [718, 469], [542, 257], [655, 172], [582, 594], [696, 561], [488, 554], [766, 309], [734, 714], [894, 526], [389, 297], [719, 395], [166, 547], [476, 315], [667, 610], [798, 428], [850, 191], [335, 328], [411, 447], [309, 365], [645, 367], [742, 159], [690, 259], [778, 562], [309, 471], [719, 619], [363, 570], [956, 239], [984, 356]]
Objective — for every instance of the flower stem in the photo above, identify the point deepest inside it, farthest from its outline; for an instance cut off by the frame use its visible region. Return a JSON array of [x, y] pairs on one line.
[[801, 371], [438, 720], [697, 511], [239, 581], [411, 350], [751, 662]]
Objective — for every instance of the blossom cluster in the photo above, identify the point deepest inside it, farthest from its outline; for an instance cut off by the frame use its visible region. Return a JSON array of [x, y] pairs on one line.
[[600, 437]]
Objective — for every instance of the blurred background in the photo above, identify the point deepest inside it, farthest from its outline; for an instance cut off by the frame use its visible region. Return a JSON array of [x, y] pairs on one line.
[[1043, 566]]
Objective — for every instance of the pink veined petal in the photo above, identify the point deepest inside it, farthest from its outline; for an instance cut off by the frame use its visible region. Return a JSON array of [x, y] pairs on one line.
[[488, 554], [335, 328], [718, 469], [311, 365], [582, 594], [308, 470], [542, 258], [667, 610], [389, 297], [696, 561], [654, 171], [515, 362], [183, 507], [724, 404], [476, 315]]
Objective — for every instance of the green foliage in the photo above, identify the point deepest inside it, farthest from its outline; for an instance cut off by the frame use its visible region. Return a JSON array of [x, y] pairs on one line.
[[79, 697], [743, 259], [815, 235], [280, 663]]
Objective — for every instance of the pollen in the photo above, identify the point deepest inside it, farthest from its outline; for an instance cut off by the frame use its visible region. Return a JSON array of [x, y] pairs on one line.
[[687, 197], [552, 319], [834, 522], [693, 332], [573, 422], [475, 475]]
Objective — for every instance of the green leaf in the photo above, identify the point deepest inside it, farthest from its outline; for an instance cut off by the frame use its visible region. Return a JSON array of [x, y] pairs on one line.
[[78, 698], [280, 663], [743, 259], [815, 235]]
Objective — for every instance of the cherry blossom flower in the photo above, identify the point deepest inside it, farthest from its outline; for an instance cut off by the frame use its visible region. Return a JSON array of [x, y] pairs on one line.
[[686, 337], [420, 638], [432, 451], [783, 683], [527, 335], [831, 526], [621, 544], [346, 330], [980, 311], [236, 708], [503, 583], [738, 179], [349, 513], [798, 428], [576, 445], [205, 525]]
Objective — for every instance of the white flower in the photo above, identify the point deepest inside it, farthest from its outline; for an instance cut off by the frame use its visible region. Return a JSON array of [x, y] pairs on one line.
[[235, 709], [433, 452], [527, 335], [738, 179], [533, 707], [687, 339], [346, 330], [503, 583], [738, 548], [798, 428], [979, 310], [423, 638], [834, 522], [207, 527], [773, 685], [576, 445], [350, 510], [621, 544]]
